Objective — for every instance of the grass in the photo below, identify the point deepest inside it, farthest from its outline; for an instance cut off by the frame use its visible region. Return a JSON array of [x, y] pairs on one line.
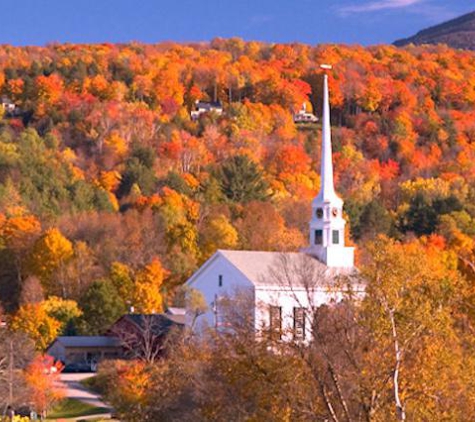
[[92, 384], [72, 408]]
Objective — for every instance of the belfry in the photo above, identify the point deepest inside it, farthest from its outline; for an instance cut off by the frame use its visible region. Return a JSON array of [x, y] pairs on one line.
[[327, 225]]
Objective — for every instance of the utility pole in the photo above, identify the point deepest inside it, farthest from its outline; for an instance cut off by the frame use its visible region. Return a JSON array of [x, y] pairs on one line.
[[10, 373]]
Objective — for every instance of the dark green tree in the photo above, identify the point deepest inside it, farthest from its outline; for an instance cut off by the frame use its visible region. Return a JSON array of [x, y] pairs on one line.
[[423, 215], [175, 181], [374, 220], [139, 170], [102, 306], [242, 181]]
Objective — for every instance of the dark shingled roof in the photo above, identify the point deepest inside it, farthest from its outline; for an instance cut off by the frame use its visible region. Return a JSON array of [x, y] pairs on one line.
[[87, 341], [208, 105], [160, 323]]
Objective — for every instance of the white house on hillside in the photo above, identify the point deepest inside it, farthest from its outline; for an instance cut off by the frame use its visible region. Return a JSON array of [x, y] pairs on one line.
[[7, 105], [280, 288], [302, 116], [202, 107]]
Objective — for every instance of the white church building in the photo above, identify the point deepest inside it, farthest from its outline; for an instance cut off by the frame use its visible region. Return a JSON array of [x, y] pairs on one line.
[[280, 289]]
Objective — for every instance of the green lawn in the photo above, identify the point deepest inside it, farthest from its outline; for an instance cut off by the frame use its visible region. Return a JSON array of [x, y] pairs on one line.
[[72, 408], [92, 384]]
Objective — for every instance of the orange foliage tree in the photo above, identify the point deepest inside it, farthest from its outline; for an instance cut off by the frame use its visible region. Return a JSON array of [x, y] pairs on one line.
[[42, 379]]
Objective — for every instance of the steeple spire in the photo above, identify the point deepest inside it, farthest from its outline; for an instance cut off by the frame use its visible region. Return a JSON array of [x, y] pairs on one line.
[[327, 188], [327, 226]]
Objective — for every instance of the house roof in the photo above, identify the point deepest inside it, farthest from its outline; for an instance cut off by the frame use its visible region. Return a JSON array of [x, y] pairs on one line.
[[171, 310], [208, 105], [279, 269], [156, 319], [158, 323], [87, 341], [6, 100]]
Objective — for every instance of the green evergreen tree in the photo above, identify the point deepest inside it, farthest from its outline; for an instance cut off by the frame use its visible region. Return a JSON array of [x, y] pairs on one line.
[[242, 181], [374, 220]]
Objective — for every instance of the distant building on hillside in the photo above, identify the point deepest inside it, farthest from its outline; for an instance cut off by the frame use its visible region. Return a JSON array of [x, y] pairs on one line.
[[302, 116], [7, 105], [279, 291], [3, 321], [202, 107]]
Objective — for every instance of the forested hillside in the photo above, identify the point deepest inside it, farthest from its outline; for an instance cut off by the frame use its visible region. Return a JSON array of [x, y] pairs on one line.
[[456, 33], [110, 193]]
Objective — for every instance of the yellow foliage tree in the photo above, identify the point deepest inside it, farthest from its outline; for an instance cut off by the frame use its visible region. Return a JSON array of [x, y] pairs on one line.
[[62, 310], [19, 230], [122, 279], [219, 233], [116, 145], [412, 293], [33, 320], [148, 282], [180, 215], [18, 234], [50, 252], [109, 180]]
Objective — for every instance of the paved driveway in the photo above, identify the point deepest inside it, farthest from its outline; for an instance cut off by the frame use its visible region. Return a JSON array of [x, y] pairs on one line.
[[75, 390]]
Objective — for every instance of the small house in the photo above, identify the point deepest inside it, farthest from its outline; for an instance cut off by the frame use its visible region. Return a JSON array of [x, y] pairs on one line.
[[144, 335], [7, 105], [202, 107], [302, 116], [131, 336], [84, 349]]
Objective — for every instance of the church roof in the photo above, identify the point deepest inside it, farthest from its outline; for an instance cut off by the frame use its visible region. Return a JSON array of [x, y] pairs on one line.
[[281, 269]]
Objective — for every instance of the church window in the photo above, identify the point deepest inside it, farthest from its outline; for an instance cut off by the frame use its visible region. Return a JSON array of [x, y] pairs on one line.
[[336, 237], [318, 237], [220, 280], [275, 322], [319, 212], [299, 323], [335, 212]]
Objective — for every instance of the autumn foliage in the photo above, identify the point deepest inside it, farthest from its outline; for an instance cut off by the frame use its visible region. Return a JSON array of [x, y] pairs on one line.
[[111, 195], [42, 378]]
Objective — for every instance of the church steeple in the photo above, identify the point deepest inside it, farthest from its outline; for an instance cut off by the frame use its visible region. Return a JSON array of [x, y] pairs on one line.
[[327, 226], [327, 188]]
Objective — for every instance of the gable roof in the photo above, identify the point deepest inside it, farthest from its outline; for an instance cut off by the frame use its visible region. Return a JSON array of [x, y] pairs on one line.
[[159, 323], [264, 269], [87, 341], [259, 267], [209, 105]]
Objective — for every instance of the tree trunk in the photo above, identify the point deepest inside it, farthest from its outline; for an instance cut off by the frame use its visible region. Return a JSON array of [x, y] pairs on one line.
[[400, 412], [336, 382], [328, 404]]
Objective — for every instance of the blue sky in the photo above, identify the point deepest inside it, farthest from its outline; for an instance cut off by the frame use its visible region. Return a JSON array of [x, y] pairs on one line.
[[37, 22]]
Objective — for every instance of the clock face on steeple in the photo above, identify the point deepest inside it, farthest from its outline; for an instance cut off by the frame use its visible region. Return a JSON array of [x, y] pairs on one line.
[[335, 212], [319, 212]]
